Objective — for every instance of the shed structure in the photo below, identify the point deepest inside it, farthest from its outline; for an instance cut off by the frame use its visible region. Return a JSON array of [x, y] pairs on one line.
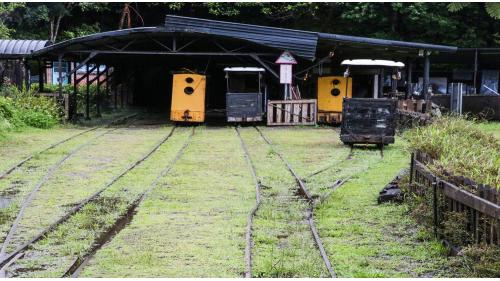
[[140, 61], [14, 67]]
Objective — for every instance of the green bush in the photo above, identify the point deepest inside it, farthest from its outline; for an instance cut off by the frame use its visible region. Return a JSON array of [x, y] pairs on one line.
[[459, 147], [19, 108]]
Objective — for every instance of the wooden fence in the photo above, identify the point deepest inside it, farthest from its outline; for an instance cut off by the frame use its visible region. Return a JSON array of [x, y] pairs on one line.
[[291, 112], [481, 208]]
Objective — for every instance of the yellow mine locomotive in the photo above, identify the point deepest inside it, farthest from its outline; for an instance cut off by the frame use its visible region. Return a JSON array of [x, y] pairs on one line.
[[331, 92], [188, 98]]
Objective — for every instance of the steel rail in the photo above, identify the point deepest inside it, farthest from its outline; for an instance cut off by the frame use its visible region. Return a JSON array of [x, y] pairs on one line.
[[20, 163], [249, 228], [310, 211], [84, 202], [27, 201], [327, 167], [79, 263]]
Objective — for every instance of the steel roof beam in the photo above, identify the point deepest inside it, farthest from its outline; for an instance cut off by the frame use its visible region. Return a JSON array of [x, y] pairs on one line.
[[172, 53]]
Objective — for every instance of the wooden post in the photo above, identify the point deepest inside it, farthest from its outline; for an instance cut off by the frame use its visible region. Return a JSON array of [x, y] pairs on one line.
[[74, 103], [87, 94], [381, 83], [409, 78], [475, 72], [98, 93], [40, 76], [27, 74], [427, 69], [59, 79], [121, 94], [115, 90]]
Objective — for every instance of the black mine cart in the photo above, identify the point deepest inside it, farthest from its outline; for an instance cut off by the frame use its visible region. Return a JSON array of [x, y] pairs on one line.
[[368, 121], [246, 94]]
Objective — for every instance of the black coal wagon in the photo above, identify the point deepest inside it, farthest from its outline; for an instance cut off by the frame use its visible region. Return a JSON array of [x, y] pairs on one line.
[[246, 94], [368, 121]]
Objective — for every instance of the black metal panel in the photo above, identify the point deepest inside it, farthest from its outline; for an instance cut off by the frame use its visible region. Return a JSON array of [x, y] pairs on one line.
[[300, 43], [19, 48], [368, 120], [244, 106]]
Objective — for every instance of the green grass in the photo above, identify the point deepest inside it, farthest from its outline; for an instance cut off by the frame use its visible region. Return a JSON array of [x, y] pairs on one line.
[[490, 127], [362, 239], [83, 174], [52, 256], [459, 147], [194, 223], [283, 244]]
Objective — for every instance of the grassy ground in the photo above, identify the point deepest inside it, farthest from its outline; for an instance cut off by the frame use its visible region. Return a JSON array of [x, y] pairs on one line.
[[491, 127], [19, 144], [283, 244], [363, 239], [194, 224], [52, 256], [83, 174]]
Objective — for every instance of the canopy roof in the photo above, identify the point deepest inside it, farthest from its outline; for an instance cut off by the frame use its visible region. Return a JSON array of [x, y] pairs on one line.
[[19, 48], [237, 39]]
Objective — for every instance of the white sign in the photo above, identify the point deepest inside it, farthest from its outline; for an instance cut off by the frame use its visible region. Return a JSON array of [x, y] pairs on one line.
[[285, 74], [286, 58]]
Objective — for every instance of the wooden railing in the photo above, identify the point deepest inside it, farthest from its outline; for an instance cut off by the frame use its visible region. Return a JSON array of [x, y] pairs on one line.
[[481, 208], [291, 112]]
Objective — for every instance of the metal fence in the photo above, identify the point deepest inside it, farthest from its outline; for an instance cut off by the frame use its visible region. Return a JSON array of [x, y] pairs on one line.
[[479, 207]]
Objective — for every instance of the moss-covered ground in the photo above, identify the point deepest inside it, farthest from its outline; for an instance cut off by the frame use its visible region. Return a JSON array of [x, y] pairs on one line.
[[193, 223]]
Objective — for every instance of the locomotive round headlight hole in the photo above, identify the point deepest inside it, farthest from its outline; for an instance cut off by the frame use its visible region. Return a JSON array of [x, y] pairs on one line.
[[188, 90], [335, 82], [189, 80], [335, 92]]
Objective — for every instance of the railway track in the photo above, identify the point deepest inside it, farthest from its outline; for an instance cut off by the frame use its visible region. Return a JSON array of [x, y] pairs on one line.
[[8, 257], [27, 201], [248, 233], [306, 194], [79, 263], [22, 162]]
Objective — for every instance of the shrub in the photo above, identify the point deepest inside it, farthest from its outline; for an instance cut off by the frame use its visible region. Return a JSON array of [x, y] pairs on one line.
[[459, 148], [20, 108]]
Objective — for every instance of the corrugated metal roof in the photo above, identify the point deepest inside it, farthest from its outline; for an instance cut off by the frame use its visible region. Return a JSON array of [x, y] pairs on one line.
[[383, 42], [298, 42], [77, 42], [20, 48]]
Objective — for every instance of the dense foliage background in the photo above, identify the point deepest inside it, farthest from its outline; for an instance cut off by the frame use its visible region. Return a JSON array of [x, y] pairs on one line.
[[462, 24]]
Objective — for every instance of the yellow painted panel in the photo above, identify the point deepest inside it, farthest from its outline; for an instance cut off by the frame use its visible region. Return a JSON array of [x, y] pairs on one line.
[[331, 92], [188, 98]]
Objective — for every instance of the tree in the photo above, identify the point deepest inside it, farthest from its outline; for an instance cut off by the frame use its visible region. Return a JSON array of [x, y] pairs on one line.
[[6, 14], [492, 8]]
